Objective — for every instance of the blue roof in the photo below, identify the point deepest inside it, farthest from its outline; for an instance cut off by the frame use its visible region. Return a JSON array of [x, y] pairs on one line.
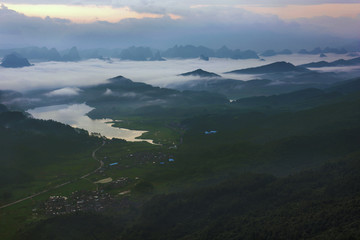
[[210, 132], [162, 163], [112, 164], [171, 160]]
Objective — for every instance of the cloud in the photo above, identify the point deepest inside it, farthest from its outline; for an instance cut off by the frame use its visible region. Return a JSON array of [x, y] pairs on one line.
[[174, 2], [67, 77], [167, 7], [67, 91], [334, 26], [129, 94], [55, 75], [295, 11], [80, 13], [212, 26], [18, 30], [108, 92]]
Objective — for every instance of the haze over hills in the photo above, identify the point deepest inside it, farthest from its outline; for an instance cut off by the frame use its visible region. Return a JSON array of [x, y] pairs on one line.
[[180, 120], [117, 95], [273, 136], [44, 54], [270, 53], [14, 60], [71, 56], [269, 85], [261, 134], [318, 50], [270, 82], [277, 67], [140, 53], [337, 63]]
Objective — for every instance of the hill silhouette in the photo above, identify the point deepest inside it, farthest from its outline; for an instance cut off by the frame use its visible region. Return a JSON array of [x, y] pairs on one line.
[[15, 61], [200, 73], [277, 67], [337, 63]]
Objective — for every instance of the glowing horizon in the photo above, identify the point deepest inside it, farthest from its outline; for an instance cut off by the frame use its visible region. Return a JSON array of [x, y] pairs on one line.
[[82, 13], [93, 13], [213, 23]]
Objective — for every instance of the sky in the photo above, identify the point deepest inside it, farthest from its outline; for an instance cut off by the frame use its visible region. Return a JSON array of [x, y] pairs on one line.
[[160, 24]]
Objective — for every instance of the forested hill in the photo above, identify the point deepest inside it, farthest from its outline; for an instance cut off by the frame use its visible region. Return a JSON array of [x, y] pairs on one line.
[[319, 204], [259, 175], [30, 146]]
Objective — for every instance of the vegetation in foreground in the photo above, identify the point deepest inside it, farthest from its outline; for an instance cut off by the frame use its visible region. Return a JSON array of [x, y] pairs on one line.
[[265, 173]]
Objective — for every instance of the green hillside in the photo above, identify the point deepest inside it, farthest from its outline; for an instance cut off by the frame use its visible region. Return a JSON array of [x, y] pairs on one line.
[[220, 171]]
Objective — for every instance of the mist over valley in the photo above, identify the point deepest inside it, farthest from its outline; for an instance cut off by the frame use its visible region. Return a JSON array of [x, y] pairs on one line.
[[179, 120], [49, 75]]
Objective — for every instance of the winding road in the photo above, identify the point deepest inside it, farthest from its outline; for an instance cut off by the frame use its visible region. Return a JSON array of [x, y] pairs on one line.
[[99, 160], [62, 184]]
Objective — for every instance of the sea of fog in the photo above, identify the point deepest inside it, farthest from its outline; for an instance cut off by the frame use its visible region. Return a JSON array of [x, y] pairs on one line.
[[46, 75]]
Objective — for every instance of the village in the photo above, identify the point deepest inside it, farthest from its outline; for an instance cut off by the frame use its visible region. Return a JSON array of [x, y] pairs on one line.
[[100, 199], [136, 159], [79, 201]]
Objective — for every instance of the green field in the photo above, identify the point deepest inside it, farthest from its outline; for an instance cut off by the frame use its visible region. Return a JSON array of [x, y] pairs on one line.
[[275, 173]]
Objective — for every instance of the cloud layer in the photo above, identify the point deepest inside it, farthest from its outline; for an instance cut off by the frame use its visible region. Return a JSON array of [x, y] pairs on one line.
[[67, 77], [67, 91]]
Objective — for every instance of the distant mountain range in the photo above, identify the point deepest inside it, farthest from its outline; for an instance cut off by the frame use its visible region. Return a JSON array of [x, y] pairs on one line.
[[14, 60], [277, 67], [304, 98], [44, 54], [337, 63], [72, 55], [270, 53], [275, 78], [135, 53], [269, 79], [118, 94], [318, 50], [190, 51]]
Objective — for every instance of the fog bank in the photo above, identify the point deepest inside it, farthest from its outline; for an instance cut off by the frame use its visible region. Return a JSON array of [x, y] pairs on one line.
[[70, 75]]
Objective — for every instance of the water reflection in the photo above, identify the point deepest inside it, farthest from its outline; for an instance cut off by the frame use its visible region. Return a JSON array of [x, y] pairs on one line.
[[75, 116]]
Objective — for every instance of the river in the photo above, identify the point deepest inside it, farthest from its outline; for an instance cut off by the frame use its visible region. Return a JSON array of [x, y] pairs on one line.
[[75, 116]]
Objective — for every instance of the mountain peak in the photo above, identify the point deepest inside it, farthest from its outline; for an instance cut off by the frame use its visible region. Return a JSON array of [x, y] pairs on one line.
[[200, 73], [275, 67], [14, 60], [120, 79]]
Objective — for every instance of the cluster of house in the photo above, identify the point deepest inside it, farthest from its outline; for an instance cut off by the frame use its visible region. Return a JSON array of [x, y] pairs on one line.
[[121, 182], [144, 157], [169, 160], [140, 158], [84, 201]]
